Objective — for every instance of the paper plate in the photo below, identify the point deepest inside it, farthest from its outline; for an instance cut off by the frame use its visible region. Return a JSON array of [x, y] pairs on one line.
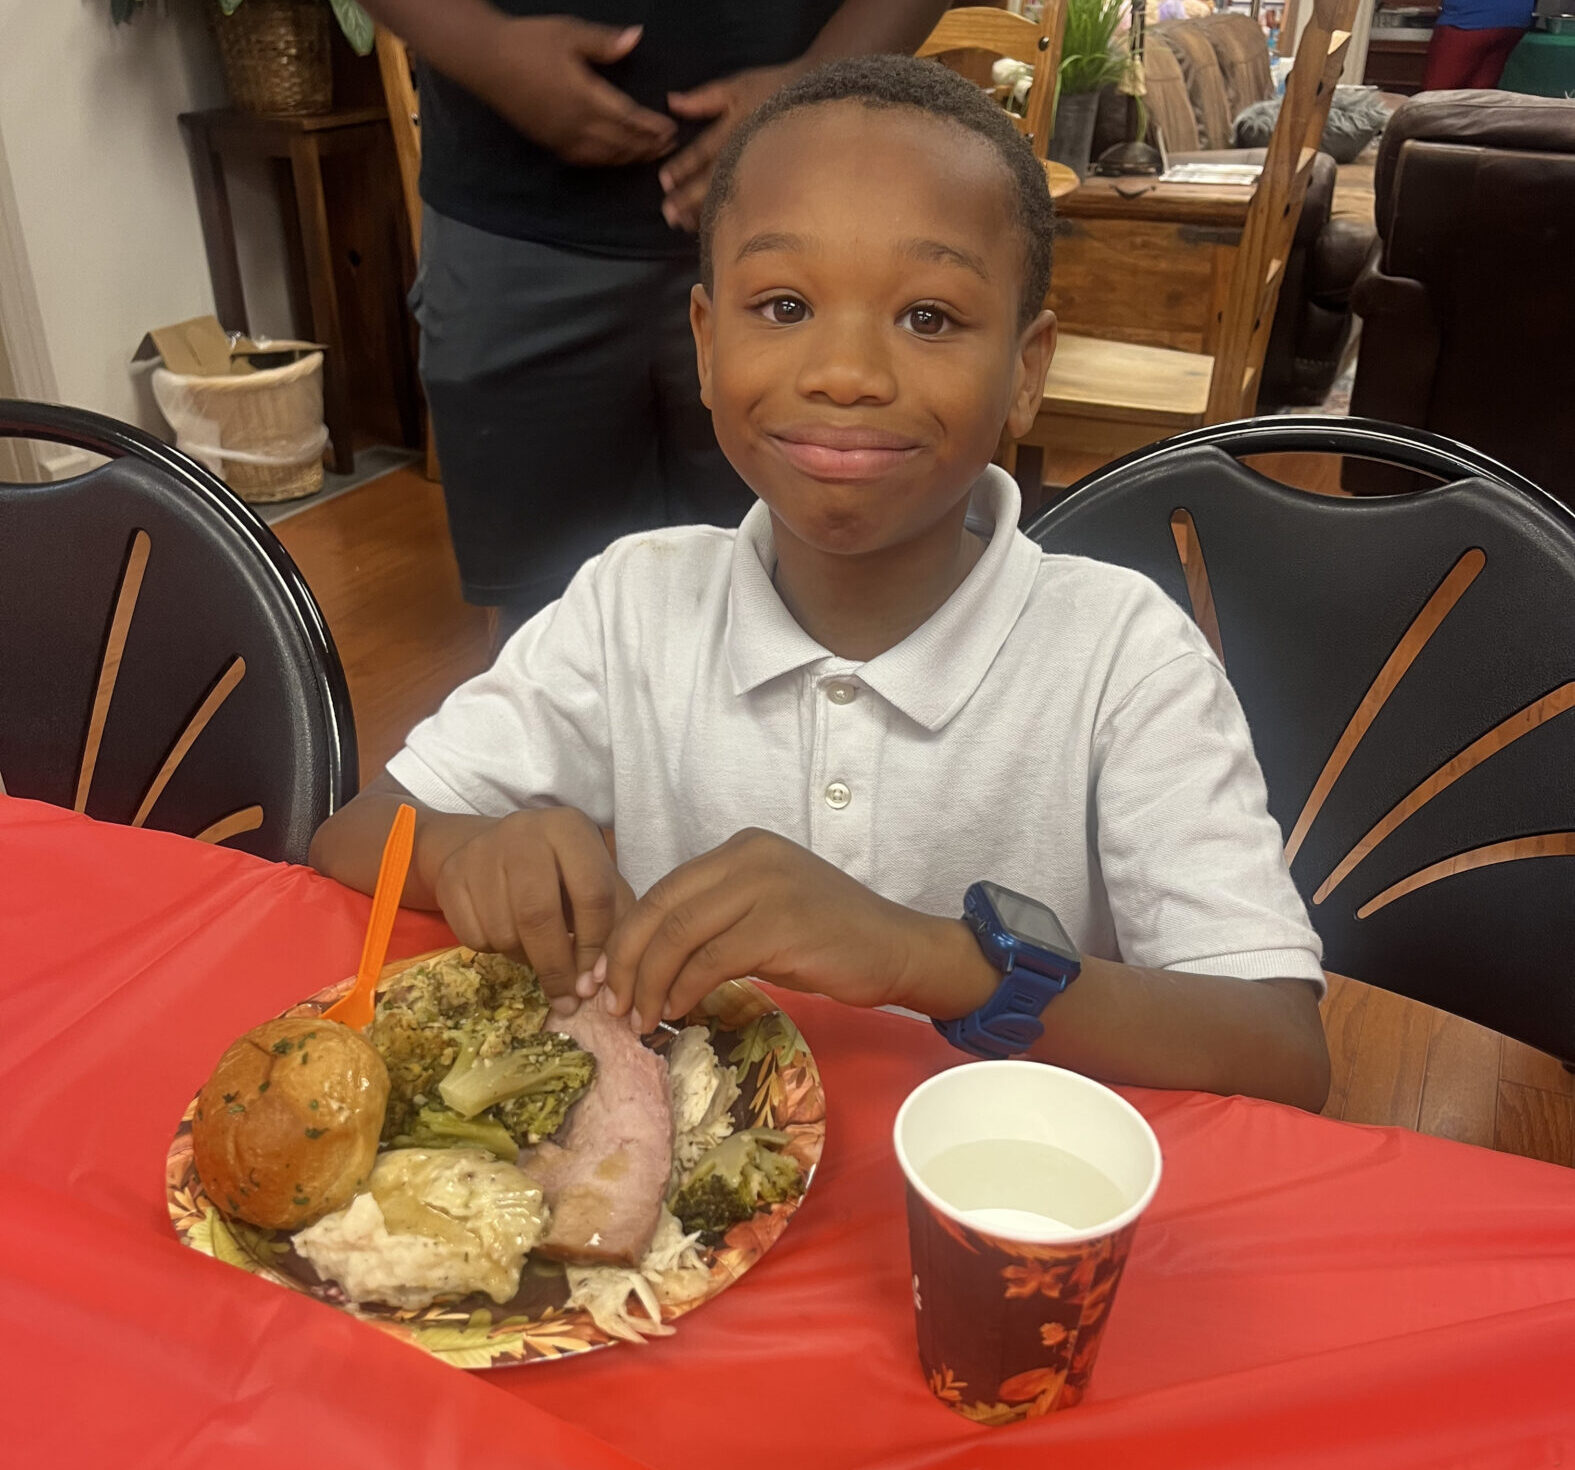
[[779, 1087]]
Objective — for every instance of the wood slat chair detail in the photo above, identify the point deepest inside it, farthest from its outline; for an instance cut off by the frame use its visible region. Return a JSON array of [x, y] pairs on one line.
[[404, 117], [168, 667], [1108, 397], [1001, 34], [1405, 663], [397, 67]]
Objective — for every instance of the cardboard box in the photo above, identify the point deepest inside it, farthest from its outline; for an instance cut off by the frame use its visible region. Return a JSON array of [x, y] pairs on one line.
[[201, 348]]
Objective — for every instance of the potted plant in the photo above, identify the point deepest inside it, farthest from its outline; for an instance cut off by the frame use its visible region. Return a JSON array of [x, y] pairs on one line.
[[275, 52], [1089, 62]]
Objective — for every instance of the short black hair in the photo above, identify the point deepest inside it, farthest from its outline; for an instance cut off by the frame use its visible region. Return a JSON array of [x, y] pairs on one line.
[[925, 86]]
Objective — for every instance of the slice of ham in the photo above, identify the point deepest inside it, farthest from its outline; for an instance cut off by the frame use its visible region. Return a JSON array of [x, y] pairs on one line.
[[606, 1182]]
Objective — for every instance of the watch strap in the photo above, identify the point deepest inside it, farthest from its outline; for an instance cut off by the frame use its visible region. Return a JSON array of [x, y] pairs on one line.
[[1008, 1023]]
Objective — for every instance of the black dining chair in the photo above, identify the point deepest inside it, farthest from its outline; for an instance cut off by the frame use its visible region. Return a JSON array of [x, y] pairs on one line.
[[1405, 663], [162, 661]]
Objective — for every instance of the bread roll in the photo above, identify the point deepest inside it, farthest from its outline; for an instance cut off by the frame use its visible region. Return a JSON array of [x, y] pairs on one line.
[[286, 1128]]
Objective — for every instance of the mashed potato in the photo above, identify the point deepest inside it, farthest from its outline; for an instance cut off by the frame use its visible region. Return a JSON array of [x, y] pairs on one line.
[[434, 1223]]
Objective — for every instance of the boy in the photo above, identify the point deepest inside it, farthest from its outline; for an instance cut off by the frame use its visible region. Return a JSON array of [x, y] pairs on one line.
[[812, 735]]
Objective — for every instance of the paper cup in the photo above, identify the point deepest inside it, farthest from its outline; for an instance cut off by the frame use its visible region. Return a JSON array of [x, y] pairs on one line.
[[1011, 1304]]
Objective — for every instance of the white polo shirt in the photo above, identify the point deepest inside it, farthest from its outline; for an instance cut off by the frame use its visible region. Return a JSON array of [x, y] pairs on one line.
[[1059, 726]]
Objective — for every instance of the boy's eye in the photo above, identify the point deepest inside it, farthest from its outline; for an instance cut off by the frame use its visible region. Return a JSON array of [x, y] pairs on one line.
[[926, 321], [784, 310]]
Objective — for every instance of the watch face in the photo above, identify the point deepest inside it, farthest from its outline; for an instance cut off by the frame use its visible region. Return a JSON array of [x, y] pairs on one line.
[[1030, 920]]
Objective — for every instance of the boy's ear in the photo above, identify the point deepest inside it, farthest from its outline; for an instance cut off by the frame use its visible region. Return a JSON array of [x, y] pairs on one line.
[[1034, 350], [700, 323]]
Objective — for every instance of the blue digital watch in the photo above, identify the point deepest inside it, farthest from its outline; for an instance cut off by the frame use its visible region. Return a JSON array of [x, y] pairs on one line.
[[1024, 940]]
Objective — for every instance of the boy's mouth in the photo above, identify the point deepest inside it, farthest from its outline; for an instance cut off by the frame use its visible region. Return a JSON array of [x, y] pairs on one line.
[[840, 452]]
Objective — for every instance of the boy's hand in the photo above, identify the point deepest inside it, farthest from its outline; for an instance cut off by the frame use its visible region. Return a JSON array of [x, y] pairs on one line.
[[539, 75], [729, 100], [758, 905], [538, 883]]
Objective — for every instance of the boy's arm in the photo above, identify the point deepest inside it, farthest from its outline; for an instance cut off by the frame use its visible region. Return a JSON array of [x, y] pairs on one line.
[[348, 847], [1149, 1028], [539, 883], [761, 905]]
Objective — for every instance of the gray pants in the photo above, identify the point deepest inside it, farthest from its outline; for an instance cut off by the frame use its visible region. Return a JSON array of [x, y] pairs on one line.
[[565, 407]]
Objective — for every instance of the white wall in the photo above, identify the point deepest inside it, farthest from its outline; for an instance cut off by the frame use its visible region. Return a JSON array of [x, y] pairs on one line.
[[102, 188]]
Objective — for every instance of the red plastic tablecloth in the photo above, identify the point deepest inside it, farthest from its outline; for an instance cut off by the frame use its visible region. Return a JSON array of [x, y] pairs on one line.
[[1302, 1293]]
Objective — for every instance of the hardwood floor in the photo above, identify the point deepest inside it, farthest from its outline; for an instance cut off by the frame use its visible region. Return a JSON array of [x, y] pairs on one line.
[[380, 563], [1397, 1061]]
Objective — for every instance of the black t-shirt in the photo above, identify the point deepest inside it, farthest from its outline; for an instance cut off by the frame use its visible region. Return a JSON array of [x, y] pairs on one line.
[[477, 169]]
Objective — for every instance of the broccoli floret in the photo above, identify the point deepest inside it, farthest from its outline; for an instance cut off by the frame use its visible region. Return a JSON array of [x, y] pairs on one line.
[[732, 1181], [531, 1087], [439, 1128], [535, 1114], [431, 1012]]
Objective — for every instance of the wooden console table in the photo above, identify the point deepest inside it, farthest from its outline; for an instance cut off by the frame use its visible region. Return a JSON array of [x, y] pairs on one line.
[[372, 362], [1139, 260]]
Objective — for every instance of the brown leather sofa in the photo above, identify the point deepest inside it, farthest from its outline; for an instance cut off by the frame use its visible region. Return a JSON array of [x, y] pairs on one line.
[[1468, 304], [1200, 75]]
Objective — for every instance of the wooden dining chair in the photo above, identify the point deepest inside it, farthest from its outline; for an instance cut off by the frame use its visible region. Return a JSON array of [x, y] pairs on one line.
[[397, 68], [162, 661], [999, 34], [404, 117], [1406, 664], [1107, 398]]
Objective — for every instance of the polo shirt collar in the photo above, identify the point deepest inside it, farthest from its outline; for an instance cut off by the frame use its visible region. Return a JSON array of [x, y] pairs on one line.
[[930, 675]]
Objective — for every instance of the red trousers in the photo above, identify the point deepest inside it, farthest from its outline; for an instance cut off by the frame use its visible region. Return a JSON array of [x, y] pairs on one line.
[[1474, 59]]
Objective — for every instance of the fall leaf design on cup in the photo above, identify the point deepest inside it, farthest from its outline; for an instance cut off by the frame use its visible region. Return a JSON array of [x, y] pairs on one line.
[[1016, 1325], [1038, 1389], [947, 1387], [1025, 1184]]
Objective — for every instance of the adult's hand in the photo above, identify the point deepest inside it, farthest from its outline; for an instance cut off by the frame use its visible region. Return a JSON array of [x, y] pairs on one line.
[[729, 101], [540, 75]]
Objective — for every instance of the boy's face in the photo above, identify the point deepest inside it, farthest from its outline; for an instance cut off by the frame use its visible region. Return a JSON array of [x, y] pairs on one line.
[[861, 349]]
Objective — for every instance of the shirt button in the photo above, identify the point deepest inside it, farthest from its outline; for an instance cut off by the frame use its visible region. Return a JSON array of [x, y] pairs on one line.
[[838, 795], [841, 693]]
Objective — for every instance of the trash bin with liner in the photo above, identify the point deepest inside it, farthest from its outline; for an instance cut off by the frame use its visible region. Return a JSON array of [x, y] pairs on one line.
[[252, 411]]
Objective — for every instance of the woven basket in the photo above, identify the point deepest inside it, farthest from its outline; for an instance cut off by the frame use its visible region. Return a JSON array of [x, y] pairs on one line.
[[276, 56], [261, 432]]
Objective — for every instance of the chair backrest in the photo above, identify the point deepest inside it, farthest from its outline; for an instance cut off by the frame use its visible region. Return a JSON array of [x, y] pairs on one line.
[[404, 118], [161, 660], [1407, 665], [1200, 66], [1165, 99], [1258, 271], [999, 33], [1243, 53]]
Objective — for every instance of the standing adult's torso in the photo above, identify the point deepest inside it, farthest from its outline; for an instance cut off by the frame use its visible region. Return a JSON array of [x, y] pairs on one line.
[[476, 168]]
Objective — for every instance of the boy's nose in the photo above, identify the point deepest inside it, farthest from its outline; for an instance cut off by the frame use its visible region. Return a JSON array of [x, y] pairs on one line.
[[848, 363]]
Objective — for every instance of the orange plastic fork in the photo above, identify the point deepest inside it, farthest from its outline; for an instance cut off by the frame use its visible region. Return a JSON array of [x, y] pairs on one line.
[[356, 1008]]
